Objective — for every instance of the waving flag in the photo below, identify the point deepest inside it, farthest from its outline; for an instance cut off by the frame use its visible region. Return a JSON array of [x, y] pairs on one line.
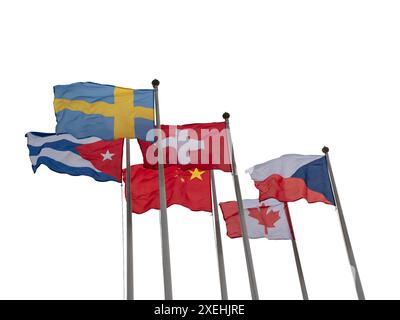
[[93, 157], [86, 109], [201, 145], [293, 177], [191, 188], [269, 219]]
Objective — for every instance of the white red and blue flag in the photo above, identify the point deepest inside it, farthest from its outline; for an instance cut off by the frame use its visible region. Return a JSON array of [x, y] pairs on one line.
[[63, 153], [292, 177]]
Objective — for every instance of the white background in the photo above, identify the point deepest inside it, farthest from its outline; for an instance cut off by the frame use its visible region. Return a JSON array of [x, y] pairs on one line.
[[295, 75]]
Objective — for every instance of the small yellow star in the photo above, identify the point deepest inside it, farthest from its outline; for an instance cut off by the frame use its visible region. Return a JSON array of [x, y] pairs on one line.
[[196, 174]]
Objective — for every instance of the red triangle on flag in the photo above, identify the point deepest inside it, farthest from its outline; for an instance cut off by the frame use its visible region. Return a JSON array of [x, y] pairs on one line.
[[105, 156]]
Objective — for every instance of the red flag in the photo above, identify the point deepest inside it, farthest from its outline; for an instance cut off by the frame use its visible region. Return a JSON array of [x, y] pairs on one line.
[[190, 188], [201, 145]]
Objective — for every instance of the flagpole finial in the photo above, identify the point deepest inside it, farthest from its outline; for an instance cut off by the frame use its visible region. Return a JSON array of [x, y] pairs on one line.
[[325, 149], [155, 83], [226, 115]]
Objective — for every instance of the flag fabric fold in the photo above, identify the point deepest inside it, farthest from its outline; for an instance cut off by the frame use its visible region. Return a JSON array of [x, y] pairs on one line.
[[93, 157], [269, 219], [87, 109], [199, 145], [293, 177], [190, 188]]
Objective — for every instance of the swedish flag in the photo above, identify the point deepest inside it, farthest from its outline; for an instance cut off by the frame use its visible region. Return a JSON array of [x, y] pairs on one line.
[[87, 109]]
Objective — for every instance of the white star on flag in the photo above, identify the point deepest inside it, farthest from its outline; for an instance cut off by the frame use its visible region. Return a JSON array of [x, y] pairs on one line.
[[107, 155]]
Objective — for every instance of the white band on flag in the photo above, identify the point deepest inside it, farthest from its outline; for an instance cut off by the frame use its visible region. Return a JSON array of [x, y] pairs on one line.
[[65, 157], [37, 141]]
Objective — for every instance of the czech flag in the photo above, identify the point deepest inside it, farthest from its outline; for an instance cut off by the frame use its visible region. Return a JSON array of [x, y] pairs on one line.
[[293, 177], [93, 157]]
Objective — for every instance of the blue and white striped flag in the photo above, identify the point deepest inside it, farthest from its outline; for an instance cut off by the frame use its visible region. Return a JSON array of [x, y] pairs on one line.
[[63, 153]]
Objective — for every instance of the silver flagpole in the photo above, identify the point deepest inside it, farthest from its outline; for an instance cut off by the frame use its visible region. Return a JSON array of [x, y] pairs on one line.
[[299, 270], [350, 254], [163, 202], [297, 257], [245, 237], [129, 241], [218, 241]]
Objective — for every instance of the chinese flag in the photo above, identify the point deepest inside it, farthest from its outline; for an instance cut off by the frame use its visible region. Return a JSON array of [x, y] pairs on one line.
[[188, 188]]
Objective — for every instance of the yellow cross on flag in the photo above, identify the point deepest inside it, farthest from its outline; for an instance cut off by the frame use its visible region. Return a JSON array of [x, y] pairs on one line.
[[87, 109]]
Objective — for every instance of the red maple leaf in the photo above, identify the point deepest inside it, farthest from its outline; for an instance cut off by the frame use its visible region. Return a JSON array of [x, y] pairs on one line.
[[265, 218]]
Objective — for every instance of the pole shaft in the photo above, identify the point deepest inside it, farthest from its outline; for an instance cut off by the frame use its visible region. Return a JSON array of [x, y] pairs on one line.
[[163, 206], [296, 256], [218, 241], [245, 237], [129, 240], [299, 270], [350, 253]]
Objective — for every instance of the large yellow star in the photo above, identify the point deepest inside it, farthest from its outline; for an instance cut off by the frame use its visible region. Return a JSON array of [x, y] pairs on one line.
[[196, 174]]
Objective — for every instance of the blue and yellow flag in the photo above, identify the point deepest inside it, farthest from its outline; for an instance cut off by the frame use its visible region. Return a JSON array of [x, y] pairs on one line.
[[86, 109]]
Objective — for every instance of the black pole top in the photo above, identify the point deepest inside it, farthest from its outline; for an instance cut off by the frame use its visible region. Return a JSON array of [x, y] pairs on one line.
[[226, 115], [325, 149], [155, 83]]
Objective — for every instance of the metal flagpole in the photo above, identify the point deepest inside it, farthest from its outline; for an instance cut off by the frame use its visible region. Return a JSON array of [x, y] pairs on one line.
[[163, 202], [299, 270], [245, 237], [297, 256], [218, 241], [129, 241], [350, 254]]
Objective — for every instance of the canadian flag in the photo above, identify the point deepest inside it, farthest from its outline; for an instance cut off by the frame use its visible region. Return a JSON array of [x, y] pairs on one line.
[[200, 145], [269, 219]]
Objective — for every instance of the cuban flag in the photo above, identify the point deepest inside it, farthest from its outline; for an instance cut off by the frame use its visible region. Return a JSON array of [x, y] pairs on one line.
[[62, 153], [292, 177]]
